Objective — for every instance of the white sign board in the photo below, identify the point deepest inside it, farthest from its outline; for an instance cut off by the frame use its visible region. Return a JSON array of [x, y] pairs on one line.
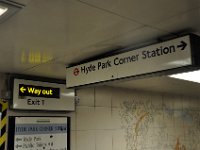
[[40, 133], [37, 95], [158, 57]]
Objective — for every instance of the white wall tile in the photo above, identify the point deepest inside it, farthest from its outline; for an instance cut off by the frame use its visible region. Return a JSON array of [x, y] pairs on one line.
[[103, 140], [85, 119], [158, 118], [178, 103], [168, 118], [116, 119], [179, 119], [85, 140], [140, 96], [191, 103], [73, 140], [90, 118], [103, 96], [156, 100], [86, 96], [119, 142], [168, 101], [102, 116], [119, 96]]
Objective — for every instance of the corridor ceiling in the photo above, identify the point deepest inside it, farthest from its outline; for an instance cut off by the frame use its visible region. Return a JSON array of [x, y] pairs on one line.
[[47, 35]]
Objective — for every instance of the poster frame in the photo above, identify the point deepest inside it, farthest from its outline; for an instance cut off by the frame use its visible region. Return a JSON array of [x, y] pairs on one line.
[[11, 129]]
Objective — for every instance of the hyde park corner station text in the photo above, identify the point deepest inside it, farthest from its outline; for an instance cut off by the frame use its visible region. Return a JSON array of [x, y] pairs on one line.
[[116, 61]]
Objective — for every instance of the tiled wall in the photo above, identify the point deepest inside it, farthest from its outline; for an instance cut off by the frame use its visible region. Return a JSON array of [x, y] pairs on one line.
[[97, 123], [109, 118]]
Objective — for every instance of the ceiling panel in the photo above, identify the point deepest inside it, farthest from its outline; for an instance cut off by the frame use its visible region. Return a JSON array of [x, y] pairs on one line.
[[51, 69], [136, 38], [48, 29], [146, 12], [188, 22], [13, 63], [61, 27], [130, 39], [6, 40]]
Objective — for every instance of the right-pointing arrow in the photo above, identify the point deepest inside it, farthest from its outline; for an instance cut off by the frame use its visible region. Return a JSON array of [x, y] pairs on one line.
[[182, 45]]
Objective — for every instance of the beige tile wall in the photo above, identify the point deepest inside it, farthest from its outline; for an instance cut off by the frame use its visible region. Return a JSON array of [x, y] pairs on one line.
[[99, 126]]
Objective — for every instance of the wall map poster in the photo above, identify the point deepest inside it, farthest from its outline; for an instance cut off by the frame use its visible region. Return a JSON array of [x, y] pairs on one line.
[[39, 133]]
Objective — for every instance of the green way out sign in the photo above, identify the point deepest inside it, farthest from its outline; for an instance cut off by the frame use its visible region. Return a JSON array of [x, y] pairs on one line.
[[38, 91]]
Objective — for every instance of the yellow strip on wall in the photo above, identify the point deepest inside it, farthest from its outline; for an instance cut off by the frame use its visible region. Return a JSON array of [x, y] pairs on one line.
[[3, 121]]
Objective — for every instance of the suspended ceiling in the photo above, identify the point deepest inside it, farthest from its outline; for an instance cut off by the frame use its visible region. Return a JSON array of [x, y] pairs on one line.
[[48, 35]]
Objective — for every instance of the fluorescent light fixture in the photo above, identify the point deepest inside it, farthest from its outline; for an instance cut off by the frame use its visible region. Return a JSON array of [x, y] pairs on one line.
[[193, 76], [3, 10], [70, 94], [8, 9]]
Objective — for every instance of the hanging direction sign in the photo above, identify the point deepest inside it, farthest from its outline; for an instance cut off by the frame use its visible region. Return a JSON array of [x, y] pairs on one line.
[[155, 58]]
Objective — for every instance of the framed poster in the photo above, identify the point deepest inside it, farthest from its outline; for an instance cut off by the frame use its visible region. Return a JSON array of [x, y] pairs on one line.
[[39, 133]]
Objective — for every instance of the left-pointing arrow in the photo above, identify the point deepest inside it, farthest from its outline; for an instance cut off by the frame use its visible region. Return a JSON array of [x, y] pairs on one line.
[[22, 89]]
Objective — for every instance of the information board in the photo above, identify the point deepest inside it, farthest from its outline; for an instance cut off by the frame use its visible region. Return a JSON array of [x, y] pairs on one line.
[[39, 133], [38, 95]]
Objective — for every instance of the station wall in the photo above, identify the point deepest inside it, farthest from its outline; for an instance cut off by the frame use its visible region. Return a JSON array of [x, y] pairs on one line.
[[109, 118]]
